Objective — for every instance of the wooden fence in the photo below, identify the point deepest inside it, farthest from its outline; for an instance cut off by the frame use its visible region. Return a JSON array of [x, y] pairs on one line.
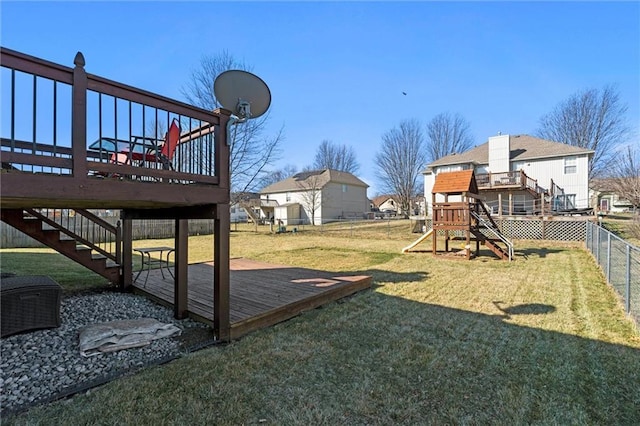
[[142, 230]]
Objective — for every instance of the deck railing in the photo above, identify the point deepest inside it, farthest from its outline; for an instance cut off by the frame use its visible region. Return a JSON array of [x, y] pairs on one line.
[[508, 179], [64, 121]]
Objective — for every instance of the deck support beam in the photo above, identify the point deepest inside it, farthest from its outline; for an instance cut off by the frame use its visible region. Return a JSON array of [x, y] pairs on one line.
[[222, 233], [181, 279], [221, 274]]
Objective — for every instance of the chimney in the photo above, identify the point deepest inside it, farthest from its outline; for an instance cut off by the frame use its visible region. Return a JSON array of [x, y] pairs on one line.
[[499, 152]]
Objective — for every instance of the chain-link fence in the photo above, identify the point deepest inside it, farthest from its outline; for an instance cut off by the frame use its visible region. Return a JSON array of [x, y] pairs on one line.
[[620, 263]]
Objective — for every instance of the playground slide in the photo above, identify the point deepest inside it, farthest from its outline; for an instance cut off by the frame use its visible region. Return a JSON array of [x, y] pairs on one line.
[[418, 241]]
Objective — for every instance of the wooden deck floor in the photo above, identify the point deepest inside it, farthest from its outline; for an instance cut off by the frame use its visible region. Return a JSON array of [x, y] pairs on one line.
[[262, 294]]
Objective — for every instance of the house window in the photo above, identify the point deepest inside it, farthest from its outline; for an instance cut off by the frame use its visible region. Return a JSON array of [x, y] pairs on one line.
[[518, 165], [344, 188], [570, 165], [288, 197]]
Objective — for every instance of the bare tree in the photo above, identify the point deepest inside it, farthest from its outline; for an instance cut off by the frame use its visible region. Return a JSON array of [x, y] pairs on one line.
[[251, 151], [592, 119], [310, 184], [447, 134], [400, 161], [626, 176], [336, 157], [278, 175]]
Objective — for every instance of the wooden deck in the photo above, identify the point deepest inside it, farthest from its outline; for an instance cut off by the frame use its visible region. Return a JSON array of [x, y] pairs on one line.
[[262, 294]]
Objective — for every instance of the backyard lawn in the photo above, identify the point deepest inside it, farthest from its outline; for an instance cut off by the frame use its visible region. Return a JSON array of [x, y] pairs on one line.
[[540, 340]]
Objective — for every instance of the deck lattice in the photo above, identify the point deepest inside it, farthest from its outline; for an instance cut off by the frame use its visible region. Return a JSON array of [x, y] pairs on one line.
[[261, 294]]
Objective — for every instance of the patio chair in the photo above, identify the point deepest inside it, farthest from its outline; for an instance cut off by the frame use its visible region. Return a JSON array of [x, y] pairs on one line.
[[172, 139]]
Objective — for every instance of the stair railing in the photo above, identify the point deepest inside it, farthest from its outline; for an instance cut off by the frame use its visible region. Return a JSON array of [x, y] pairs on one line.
[[492, 227], [86, 228]]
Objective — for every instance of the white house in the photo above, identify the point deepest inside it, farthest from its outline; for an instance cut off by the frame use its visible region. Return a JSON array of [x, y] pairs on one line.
[[605, 197], [521, 174], [317, 197]]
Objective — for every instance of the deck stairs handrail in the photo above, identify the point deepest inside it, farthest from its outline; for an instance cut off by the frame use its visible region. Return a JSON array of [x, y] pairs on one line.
[[90, 231], [75, 233], [492, 227]]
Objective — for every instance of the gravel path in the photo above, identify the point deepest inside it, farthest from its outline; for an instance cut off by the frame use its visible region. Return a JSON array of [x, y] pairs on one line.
[[43, 365]]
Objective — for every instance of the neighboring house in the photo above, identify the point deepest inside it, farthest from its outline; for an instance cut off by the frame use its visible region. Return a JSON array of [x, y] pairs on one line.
[[238, 214], [245, 207], [317, 197], [521, 174], [389, 204], [605, 198], [386, 204]]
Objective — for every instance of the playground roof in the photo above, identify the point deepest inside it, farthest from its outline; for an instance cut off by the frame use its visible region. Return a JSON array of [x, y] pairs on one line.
[[455, 183]]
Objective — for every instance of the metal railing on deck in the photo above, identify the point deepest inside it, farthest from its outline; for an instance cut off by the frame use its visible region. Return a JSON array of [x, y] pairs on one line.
[[620, 263], [64, 121]]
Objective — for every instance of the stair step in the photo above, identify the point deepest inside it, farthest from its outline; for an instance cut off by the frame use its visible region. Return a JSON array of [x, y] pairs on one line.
[[55, 237]]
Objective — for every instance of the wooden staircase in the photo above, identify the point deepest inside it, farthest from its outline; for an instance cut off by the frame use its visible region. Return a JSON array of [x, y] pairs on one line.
[[492, 244], [95, 244], [498, 244]]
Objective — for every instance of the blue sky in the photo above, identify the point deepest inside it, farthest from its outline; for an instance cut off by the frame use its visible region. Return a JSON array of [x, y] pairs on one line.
[[337, 70]]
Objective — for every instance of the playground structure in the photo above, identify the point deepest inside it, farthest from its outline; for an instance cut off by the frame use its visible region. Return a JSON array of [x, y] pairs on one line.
[[463, 218]]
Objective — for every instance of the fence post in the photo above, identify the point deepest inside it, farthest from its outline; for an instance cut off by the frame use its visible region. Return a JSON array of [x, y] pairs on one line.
[[628, 279], [598, 247], [586, 235], [609, 257]]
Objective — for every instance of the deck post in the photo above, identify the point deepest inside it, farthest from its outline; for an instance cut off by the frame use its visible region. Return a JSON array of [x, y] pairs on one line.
[[181, 266], [127, 253], [221, 273], [222, 233], [434, 219], [79, 118], [510, 204]]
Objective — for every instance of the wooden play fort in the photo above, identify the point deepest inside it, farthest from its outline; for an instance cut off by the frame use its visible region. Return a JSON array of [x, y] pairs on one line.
[[459, 214]]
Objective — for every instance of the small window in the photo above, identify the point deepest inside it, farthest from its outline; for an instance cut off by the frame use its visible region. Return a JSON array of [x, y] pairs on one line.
[[344, 188], [288, 197], [570, 165], [516, 166]]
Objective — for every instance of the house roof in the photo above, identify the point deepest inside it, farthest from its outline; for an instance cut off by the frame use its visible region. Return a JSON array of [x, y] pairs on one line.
[[522, 147], [455, 183], [313, 178], [381, 199]]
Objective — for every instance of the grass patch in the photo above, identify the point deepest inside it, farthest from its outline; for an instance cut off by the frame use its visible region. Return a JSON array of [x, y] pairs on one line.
[[437, 341]]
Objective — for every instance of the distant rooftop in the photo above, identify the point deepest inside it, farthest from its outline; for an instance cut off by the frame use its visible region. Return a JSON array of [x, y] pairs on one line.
[[522, 147]]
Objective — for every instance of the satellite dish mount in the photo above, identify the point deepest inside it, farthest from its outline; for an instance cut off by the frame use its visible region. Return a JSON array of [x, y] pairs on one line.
[[242, 93]]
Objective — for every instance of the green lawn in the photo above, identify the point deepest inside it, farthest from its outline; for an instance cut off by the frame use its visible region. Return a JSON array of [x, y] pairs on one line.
[[436, 341]]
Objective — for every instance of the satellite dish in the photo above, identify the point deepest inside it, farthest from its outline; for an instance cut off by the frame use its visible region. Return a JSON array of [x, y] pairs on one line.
[[242, 93]]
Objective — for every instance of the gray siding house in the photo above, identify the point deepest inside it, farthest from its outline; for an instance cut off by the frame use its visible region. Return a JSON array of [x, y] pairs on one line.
[[316, 196]]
